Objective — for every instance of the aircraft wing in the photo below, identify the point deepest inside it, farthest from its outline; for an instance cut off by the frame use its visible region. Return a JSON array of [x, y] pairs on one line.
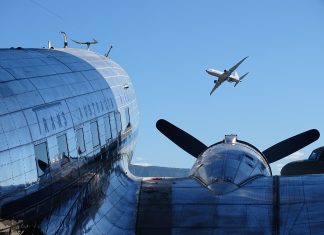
[[185, 206], [217, 84], [231, 70]]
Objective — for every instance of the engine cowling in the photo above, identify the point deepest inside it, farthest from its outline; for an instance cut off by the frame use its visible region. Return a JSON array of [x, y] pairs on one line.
[[226, 165]]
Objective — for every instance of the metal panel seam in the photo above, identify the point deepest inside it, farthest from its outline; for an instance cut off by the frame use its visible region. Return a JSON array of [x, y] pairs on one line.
[[275, 205]]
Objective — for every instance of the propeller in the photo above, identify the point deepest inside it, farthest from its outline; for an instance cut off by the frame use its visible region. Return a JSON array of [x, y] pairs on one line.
[[290, 145], [181, 138], [276, 152]]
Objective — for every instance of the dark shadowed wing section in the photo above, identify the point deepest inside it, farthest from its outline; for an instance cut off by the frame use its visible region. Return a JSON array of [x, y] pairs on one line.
[[291, 145], [303, 168], [154, 214], [181, 138]]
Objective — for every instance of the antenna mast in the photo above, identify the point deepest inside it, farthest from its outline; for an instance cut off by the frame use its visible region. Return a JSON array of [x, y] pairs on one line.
[[107, 54], [65, 39]]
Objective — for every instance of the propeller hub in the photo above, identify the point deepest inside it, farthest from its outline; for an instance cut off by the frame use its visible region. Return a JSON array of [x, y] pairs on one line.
[[230, 139]]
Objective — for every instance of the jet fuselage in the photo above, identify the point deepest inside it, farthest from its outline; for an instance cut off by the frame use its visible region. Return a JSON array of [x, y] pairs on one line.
[[223, 75]]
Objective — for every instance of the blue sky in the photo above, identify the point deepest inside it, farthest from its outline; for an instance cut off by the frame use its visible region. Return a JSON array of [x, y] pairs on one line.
[[165, 46]]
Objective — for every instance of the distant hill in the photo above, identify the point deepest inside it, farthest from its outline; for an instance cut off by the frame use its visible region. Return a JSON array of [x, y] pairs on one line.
[[151, 171]]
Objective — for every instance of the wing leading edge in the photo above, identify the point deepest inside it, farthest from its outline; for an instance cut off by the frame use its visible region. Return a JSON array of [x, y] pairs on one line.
[[218, 83], [231, 70]]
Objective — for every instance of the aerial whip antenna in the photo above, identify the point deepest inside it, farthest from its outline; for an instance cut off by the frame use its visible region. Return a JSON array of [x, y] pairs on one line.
[[107, 54]]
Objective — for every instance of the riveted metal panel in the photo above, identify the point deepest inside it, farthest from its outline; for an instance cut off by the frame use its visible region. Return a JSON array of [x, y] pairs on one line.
[[18, 86], [5, 75], [29, 99], [10, 104], [47, 94]]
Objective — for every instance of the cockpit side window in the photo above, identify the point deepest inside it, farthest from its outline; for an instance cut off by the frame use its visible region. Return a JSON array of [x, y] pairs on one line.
[[314, 156], [41, 156]]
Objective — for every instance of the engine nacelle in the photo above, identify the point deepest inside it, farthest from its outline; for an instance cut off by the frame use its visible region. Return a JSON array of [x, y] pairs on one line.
[[226, 165]]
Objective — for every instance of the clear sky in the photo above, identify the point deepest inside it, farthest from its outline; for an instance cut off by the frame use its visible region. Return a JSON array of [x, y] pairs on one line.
[[165, 46]]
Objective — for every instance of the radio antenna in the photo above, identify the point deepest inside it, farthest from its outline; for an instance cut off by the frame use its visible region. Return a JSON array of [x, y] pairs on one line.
[[107, 54]]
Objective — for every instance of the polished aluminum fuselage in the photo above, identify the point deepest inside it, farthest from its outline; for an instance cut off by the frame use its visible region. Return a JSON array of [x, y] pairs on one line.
[[64, 114]]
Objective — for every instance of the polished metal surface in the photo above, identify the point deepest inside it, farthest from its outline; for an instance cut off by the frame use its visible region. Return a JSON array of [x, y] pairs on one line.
[[61, 111], [292, 206], [229, 164], [47, 92], [115, 212], [68, 127], [230, 139]]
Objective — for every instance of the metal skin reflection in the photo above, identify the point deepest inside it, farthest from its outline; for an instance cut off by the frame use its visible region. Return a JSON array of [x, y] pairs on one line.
[[65, 120], [68, 127]]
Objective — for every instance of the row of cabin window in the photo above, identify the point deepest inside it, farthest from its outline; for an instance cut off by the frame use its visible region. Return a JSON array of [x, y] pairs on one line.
[[112, 125], [89, 111]]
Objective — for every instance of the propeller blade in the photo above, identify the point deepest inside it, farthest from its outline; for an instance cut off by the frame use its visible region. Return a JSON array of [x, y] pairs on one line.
[[181, 138], [290, 145]]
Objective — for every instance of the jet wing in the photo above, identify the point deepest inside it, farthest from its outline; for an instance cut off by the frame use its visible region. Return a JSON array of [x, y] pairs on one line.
[[218, 83], [231, 70]]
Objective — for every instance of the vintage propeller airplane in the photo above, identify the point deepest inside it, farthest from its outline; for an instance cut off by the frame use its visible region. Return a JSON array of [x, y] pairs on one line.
[[231, 190], [68, 126]]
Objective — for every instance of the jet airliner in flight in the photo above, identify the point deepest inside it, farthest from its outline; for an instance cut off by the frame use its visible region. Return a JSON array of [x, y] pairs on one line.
[[68, 127], [228, 75]]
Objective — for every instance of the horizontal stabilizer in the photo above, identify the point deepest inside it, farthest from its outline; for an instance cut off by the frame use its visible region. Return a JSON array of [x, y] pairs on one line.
[[243, 76], [240, 79]]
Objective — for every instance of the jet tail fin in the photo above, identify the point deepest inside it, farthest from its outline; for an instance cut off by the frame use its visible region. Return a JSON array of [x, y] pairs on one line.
[[240, 80]]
